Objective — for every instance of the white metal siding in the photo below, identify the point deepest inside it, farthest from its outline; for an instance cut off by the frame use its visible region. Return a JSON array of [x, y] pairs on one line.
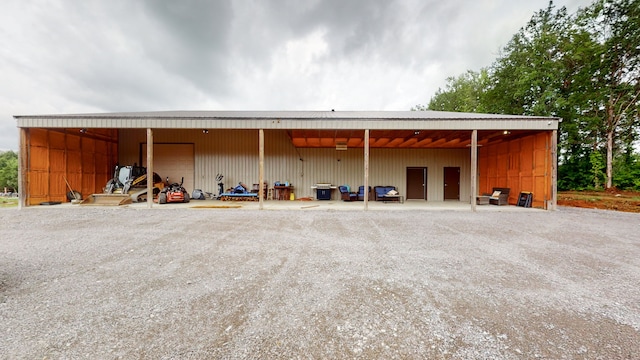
[[173, 161], [388, 167], [291, 120], [234, 153], [254, 124]]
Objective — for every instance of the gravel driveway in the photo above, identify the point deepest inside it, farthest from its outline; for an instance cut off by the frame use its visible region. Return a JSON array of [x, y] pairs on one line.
[[245, 284]]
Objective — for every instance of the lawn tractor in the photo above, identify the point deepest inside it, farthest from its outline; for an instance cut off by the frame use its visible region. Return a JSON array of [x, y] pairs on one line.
[[173, 193]]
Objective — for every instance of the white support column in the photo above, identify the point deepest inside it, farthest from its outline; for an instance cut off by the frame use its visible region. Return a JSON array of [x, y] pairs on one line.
[[261, 170], [149, 168], [474, 169], [366, 169]]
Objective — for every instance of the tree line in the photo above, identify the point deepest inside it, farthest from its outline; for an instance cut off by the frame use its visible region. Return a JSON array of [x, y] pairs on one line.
[[8, 171], [582, 67]]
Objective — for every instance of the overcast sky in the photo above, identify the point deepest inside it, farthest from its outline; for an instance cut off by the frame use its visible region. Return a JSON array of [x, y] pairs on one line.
[[146, 55]]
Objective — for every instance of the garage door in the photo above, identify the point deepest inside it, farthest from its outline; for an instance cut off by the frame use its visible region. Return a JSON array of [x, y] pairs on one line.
[[175, 161]]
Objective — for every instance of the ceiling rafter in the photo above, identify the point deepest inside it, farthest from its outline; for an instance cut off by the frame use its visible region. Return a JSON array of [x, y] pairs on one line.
[[327, 138]]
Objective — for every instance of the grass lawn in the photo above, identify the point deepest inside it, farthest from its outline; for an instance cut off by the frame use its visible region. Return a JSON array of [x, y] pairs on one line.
[[8, 202]]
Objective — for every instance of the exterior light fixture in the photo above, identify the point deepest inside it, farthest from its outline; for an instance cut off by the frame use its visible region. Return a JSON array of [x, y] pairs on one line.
[[417, 132], [205, 131], [83, 131]]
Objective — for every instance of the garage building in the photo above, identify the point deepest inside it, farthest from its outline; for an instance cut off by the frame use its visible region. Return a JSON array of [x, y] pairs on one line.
[[426, 155]]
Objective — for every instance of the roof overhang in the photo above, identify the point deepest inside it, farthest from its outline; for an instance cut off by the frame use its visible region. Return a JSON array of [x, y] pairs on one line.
[[388, 129], [399, 139]]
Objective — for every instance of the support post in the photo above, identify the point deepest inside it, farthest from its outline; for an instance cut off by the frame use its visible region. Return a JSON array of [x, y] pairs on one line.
[[261, 170], [366, 169], [23, 170], [474, 169], [554, 170], [149, 168]]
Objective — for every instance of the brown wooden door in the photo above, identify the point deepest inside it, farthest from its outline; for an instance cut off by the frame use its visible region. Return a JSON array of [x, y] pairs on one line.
[[452, 183], [417, 183]]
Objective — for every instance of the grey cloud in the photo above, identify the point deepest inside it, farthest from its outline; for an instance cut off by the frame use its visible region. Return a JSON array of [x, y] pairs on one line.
[[192, 40], [128, 55], [398, 33], [122, 55]]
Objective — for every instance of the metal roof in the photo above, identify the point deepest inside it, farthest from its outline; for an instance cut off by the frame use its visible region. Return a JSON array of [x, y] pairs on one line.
[[310, 115], [291, 120]]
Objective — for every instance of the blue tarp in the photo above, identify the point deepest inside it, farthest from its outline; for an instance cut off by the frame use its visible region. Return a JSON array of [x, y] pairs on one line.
[[239, 195]]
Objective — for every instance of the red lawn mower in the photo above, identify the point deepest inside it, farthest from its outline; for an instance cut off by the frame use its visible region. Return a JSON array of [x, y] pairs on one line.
[[173, 193]]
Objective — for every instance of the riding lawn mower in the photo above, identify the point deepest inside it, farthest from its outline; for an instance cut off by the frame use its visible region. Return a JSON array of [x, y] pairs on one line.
[[173, 193]]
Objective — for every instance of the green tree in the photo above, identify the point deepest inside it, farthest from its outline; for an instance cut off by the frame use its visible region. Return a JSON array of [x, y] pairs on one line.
[[464, 93], [614, 26], [627, 171], [583, 68], [9, 171], [571, 175], [530, 78], [597, 165]]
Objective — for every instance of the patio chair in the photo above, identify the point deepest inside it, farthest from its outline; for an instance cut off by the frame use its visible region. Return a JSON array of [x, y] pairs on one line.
[[347, 195], [499, 196], [361, 193]]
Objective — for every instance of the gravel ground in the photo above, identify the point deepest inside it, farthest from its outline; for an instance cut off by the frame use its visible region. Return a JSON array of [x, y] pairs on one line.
[[245, 284]]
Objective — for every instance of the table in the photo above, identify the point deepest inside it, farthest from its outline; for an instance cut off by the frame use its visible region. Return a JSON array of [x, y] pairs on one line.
[[394, 198], [482, 200], [283, 192]]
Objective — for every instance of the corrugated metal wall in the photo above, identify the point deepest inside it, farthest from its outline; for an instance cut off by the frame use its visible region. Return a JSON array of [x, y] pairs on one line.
[[388, 167], [521, 165], [234, 153]]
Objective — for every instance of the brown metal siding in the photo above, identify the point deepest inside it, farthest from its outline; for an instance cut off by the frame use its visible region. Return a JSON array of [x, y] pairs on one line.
[[521, 165], [84, 160]]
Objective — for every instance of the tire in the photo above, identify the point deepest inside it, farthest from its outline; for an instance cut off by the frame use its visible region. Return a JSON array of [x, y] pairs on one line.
[[186, 197], [162, 198], [73, 195]]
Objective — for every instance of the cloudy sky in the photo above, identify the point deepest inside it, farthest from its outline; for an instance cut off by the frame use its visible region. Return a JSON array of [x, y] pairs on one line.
[[60, 56]]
